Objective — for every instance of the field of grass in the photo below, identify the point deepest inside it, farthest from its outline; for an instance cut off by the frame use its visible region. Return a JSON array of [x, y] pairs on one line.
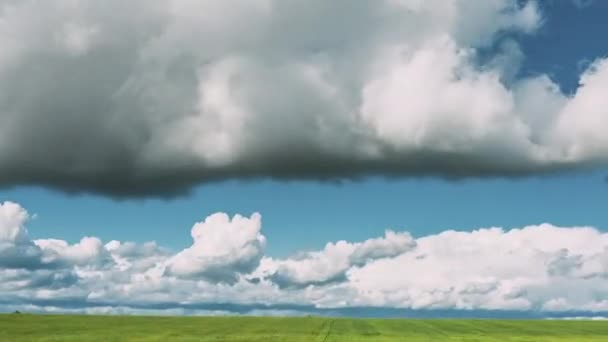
[[131, 328]]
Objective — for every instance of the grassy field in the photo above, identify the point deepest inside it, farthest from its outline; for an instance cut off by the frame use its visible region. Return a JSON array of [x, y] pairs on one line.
[[130, 328]]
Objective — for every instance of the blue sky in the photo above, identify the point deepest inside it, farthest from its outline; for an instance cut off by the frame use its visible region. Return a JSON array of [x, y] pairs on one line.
[[568, 40], [305, 215], [186, 120]]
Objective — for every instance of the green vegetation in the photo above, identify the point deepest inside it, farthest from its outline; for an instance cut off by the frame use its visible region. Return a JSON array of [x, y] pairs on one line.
[[130, 328]]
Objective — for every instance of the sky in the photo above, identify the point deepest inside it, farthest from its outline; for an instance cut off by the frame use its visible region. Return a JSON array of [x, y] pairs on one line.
[[270, 157]]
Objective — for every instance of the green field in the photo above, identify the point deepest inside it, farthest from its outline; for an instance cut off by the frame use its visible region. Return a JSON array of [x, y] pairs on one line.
[[131, 328]]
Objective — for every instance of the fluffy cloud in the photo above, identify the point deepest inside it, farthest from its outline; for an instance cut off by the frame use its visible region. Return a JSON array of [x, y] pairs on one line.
[[535, 271], [331, 264], [528, 268], [17, 250], [222, 248], [157, 96]]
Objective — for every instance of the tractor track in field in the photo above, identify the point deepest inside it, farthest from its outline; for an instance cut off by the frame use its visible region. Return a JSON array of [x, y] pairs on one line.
[[325, 331]]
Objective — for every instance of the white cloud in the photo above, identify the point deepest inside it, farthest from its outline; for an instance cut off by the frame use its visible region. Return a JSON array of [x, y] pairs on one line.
[[331, 264], [495, 269], [17, 250], [173, 93], [12, 223], [223, 248], [88, 251], [534, 269]]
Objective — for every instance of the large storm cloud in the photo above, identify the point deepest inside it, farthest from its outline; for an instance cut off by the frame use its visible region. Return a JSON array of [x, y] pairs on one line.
[[152, 97]]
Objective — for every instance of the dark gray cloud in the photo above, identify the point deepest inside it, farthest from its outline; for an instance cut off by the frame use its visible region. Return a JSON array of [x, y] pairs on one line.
[[154, 97]]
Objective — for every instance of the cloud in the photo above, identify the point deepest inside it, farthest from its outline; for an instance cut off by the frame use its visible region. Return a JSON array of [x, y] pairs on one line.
[[17, 250], [89, 250], [158, 96], [223, 248], [331, 264], [525, 269], [534, 271]]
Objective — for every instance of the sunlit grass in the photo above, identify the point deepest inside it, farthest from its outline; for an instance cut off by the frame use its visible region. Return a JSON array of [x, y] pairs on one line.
[[140, 328]]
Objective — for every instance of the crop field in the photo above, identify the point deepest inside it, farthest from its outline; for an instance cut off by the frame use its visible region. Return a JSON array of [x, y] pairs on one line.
[[140, 328]]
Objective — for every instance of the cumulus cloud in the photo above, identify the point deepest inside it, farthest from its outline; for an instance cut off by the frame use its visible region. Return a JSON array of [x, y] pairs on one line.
[[17, 250], [223, 248], [532, 271], [153, 97], [529, 268], [331, 264]]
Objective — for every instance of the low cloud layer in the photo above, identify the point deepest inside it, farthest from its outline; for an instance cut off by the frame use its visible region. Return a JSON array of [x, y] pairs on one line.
[[154, 97], [530, 272]]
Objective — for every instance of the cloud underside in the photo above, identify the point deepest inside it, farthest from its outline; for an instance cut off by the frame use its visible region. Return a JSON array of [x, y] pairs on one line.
[[526, 272], [154, 97]]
